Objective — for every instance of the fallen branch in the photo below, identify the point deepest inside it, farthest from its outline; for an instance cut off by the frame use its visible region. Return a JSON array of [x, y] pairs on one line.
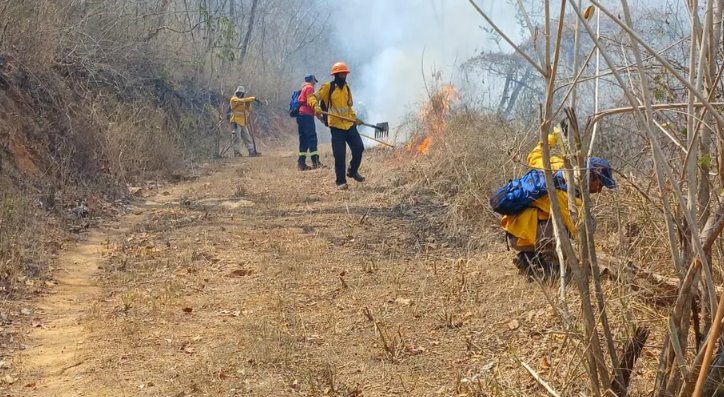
[[667, 288], [540, 380]]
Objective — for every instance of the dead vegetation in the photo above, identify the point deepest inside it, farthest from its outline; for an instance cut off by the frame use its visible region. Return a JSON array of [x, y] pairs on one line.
[[309, 292], [237, 284], [208, 299], [467, 159], [97, 95]]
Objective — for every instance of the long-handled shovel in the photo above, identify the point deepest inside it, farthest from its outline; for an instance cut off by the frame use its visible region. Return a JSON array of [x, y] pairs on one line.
[[253, 141], [381, 129]]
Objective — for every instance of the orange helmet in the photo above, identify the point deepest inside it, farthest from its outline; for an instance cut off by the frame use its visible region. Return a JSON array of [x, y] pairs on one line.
[[339, 67]]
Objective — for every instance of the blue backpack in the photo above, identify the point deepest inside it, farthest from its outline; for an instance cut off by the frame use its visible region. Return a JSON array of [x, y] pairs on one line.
[[294, 104], [518, 194]]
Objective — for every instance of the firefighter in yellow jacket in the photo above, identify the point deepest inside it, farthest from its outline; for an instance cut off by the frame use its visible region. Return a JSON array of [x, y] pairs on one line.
[[336, 97], [530, 232], [240, 106]]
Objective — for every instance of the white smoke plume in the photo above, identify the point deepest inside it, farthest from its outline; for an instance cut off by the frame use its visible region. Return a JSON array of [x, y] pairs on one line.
[[386, 42]]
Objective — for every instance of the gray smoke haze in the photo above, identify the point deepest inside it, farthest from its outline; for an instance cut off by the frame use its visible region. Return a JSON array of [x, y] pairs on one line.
[[384, 41]]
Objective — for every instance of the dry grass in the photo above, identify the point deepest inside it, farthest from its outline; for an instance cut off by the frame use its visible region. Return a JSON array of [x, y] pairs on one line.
[[260, 280], [138, 143], [29, 241], [472, 156], [316, 292], [24, 249]]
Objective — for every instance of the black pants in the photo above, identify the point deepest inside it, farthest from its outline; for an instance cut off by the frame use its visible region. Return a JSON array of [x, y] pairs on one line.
[[307, 137], [341, 138]]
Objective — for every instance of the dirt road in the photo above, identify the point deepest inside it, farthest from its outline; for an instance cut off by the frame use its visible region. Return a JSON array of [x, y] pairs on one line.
[[256, 279]]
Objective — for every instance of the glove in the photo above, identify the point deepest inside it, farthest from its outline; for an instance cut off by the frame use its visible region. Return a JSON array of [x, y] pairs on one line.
[[358, 122], [257, 101]]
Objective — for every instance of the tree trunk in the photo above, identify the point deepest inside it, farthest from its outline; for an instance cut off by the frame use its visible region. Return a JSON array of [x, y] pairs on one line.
[[516, 92], [504, 95], [249, 29]]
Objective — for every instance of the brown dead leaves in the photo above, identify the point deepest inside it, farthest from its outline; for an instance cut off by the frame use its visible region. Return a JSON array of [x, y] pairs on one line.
[[241, 272]]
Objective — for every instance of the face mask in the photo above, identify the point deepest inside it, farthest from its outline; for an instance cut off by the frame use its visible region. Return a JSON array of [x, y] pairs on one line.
[[339, 80]]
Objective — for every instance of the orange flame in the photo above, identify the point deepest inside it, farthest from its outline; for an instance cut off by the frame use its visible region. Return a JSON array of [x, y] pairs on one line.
[[433, 116], [424, 146]]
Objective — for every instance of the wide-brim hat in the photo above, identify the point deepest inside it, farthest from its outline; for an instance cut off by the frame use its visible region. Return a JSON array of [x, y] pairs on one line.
[[602, 169]]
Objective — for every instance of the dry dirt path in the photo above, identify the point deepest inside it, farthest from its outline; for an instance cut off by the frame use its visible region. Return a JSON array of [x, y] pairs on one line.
[[255, 279]]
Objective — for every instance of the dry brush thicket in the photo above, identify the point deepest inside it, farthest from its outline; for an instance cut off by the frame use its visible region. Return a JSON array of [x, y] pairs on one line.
[[647, 280], [97, 94]]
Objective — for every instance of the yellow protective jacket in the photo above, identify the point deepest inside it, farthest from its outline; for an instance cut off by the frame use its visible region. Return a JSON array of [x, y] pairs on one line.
[[524, 225], [240, 109], [341, 104]]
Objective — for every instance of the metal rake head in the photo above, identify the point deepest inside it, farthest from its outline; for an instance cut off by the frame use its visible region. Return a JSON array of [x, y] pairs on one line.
[[382, 130]]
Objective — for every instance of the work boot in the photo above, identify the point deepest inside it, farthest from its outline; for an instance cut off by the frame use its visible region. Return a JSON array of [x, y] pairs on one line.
[[530, 266], [302, 165], [521, 262], [342, 186], [237, 154], [254, 153], [316, 163], [356, 176]]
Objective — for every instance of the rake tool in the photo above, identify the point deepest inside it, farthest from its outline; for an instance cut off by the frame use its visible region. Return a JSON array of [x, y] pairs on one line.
[[382, 130]]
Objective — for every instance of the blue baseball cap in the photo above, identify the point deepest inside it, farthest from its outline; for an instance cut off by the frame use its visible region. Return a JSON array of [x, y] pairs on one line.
[[310, 77], [602, 169]]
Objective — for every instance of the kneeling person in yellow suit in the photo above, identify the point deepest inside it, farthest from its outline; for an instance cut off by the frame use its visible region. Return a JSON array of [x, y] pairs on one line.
[[530, 232], [240, 110]]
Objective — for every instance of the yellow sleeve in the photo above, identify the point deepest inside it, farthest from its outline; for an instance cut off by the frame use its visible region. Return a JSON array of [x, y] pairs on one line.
[[566, 215], [352, 112], [544, 205], [535, 157], [314, 100], [235, 102]]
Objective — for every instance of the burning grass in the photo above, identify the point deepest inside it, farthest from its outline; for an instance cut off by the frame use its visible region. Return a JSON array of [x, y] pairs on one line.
[[432, 119], [462, 164]]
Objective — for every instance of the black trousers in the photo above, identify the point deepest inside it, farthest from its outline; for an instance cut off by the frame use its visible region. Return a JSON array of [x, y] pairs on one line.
[[340, 140], [307, 137]]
